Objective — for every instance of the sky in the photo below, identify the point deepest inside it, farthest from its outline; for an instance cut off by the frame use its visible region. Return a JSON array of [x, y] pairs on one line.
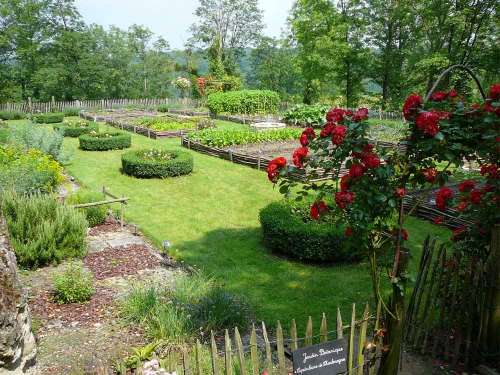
[[170, 18]]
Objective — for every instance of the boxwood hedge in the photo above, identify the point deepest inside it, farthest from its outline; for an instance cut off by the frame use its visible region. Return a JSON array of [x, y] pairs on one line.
[[150, 163], [244, 102], [76, 128], [12, 115], [104, 141], [289, 233], [48, 118]]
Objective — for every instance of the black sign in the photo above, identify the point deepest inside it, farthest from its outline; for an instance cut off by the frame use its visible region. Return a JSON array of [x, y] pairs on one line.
[[329, 358]]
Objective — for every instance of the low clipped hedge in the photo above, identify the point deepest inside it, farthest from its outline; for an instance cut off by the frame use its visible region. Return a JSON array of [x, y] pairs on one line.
[[48, 118], [288, 232], [76, 128], [12, 115], [150, 163], [244, 102], [104, 141]]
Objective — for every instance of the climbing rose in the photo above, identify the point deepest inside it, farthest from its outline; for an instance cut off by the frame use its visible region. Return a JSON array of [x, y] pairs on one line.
[[494, 91], [360, 115], [327, 130], [443, 115], [338, 134], [442, 196], [475, 196], [299, 155], [335, 115], [453, 93], [400, 192], [438, 96], [466, 186], [348, 232], [371, 160], [490, 170], [368, 148], [428, 123], [404, 234], [317, 209], [356, 170], [430, 174], [411, 105], [438, 220], [306, 136], [457, 233], [344, 182], [462, 206]]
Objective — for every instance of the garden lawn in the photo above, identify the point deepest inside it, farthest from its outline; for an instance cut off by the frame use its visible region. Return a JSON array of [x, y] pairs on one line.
[[211, 218]]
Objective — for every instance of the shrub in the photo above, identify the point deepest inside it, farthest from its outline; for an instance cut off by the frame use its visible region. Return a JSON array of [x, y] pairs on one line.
[[42, 230], [104, 141], [162, 108], [157, 163], [95, 215], [304, 114], [76, 127], [28, 171], [12, 115], [48, 118], [244, 101], [71, 112], [226, 138], [73, 285], [288, 230], [40, 138], [4, 132]]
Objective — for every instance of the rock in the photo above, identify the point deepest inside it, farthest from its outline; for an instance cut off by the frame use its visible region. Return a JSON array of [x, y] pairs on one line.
[[17, 343]]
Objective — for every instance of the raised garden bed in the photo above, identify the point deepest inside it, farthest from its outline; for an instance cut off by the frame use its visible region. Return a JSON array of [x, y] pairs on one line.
[[151, 163], [104, 141]]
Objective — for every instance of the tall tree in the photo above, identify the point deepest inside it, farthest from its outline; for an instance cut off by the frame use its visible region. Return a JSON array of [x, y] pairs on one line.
[[226, 27]]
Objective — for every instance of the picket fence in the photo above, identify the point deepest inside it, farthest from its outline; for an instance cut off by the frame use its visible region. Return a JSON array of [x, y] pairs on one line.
[[229, 356]]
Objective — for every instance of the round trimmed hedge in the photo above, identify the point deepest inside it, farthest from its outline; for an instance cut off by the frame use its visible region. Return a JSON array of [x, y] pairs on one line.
[[48, 118], [76, 129], [149, 163], [104, 141], [288, 232]]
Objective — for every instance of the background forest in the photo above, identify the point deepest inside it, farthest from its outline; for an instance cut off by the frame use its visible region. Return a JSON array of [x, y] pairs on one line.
[[348, 52]]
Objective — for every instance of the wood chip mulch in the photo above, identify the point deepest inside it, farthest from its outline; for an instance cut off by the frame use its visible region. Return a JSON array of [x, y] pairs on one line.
[[120, 261], [94, 311], [104, 228]]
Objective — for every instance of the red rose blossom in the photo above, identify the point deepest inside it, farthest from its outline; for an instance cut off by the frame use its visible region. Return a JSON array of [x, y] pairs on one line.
[[327, 130], [345, 182], [344, 198], [453, 93], [335, 115], [438, 96], [348, 232], [494, 91], [371, 160], [400, 192], [356, 170], [438, 220], [299, 156], [443, 115], [360, 115], [462, 206], [466, 186], [428, 123], [457, 233], [411, 106], [430, 174], [338, 134], [273, 169], [443, 195], [368, 147], [475, 196], [318, 209], [490, 170], [306, 136]]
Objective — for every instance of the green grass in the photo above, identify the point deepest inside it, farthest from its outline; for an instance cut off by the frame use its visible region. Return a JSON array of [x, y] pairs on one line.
[[211, 217]]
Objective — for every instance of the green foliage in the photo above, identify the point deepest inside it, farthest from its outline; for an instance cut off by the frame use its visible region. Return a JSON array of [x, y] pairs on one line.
[[71, 112], [73, 285], [303, 114], [244, 102], [12, 115], [48, 118], [179, 313], [226, 138], [162, 108], [76, 127], [288, 230], [41, 138], [104, 141], [42, 230], [157, 163], [166, 123], [28, 171], [95, 215]]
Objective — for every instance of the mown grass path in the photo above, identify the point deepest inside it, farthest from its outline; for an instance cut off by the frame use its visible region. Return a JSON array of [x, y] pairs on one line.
[[211, 217]]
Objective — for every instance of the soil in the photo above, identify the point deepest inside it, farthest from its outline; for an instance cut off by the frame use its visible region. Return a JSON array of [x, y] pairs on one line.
[[80, 338], [268, 150]]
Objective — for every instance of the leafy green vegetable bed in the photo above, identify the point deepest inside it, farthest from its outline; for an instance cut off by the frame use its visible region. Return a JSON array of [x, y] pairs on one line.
[[226, 138]]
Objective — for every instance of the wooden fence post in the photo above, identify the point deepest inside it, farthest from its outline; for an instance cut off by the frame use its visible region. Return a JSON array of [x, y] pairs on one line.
[[213, 347], [228, 354]]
